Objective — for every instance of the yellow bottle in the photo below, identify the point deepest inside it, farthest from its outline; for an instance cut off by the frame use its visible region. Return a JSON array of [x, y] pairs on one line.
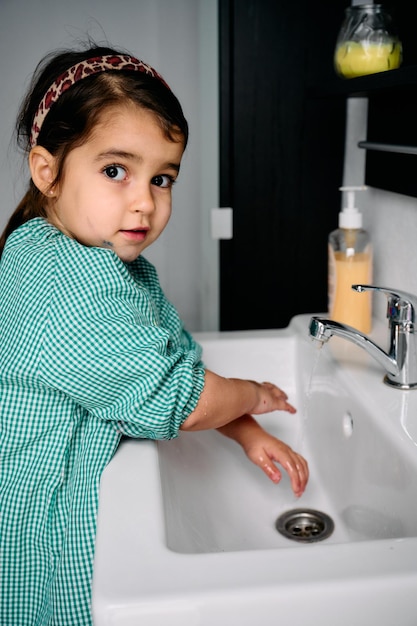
[[367, 42], [350, 263]]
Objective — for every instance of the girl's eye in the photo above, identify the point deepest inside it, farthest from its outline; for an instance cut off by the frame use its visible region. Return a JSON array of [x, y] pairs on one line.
[[115, 172], [163, 180]]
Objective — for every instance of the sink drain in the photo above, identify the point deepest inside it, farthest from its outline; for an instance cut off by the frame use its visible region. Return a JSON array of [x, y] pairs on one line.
[[305, 525]]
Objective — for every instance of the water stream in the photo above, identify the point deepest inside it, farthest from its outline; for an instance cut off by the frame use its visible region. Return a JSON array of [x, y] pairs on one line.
[[306, 396]]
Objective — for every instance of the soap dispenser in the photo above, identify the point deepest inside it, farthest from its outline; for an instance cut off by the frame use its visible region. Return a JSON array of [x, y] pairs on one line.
[[350, 263]]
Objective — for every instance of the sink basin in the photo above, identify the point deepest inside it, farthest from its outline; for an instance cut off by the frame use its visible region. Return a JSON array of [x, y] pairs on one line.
[[187, 528], [215, 501]]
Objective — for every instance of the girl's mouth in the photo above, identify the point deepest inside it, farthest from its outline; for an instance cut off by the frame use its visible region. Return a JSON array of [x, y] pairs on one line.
[[136, 234]]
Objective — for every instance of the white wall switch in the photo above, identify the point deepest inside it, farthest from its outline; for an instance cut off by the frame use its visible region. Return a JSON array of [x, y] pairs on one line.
[[222, 223]]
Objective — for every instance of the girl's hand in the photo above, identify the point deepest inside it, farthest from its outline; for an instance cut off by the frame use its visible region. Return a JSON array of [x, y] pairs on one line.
[[265, 450], [271, 398]]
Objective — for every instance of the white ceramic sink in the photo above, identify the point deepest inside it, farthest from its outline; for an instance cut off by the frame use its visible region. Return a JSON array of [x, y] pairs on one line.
[[186, 531]]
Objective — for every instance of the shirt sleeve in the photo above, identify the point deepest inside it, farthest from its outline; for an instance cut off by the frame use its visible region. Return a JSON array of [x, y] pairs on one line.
[[145, 273], [117, 349]]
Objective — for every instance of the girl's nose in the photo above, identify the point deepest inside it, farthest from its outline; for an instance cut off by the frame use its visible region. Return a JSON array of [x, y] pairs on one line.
[[144, 201]]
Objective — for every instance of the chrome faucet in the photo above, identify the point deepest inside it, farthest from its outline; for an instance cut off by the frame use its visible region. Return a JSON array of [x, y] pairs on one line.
[[400, 362]]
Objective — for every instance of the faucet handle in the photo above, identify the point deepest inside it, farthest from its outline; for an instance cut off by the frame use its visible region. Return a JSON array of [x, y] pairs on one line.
[[401, 305]]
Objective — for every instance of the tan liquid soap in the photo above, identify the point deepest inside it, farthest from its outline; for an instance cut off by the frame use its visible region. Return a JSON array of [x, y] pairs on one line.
[[350, 263]]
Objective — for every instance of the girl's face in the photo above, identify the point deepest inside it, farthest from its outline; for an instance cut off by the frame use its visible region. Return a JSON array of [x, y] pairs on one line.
[[116, 188]]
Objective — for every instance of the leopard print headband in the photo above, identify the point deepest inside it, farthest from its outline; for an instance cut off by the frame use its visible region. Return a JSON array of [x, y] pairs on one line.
[[82, 70]]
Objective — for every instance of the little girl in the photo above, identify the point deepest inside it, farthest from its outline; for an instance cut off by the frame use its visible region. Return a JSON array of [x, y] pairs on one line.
[[90, 348]]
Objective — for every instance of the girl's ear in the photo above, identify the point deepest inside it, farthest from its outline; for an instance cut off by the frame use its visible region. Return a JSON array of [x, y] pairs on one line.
[[42, 169]]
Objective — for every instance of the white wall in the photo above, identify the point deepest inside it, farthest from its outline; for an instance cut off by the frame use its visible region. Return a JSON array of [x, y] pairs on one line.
[[390, 218], [179, 38]]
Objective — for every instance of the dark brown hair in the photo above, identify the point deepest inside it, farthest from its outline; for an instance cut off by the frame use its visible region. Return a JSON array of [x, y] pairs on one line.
[[73, 117]]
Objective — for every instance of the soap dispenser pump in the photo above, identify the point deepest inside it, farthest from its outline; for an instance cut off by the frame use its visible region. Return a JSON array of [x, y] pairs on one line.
[[350, 263]]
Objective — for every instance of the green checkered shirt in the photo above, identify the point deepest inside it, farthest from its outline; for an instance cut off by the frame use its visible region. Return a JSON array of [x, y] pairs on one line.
[[90, 350]]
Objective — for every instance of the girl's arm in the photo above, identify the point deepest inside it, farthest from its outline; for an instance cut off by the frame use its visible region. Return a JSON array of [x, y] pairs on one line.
[[226, 403], [263, 449], [225, 399]]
